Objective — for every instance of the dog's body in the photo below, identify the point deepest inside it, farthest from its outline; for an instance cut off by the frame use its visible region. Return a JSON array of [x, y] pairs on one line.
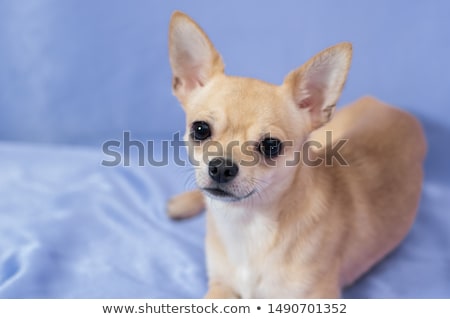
[[292, 231]]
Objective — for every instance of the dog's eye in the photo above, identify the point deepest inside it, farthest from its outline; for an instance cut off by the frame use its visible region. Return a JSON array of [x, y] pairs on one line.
[[200, 131], [270, 147]]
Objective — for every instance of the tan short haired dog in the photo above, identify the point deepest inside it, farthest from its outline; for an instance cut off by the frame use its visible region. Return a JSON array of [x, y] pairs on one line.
[[278, 230]]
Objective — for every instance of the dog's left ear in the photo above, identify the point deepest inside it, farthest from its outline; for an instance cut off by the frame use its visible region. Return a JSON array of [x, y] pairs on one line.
[[317, 85]]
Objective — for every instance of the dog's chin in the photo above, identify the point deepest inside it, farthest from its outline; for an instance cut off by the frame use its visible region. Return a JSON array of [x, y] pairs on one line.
[[217, 193]]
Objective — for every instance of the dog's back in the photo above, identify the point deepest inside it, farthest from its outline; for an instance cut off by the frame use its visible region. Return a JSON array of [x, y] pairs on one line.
[[385, 149]]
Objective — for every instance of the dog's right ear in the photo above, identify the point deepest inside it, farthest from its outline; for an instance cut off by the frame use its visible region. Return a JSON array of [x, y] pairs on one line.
[[193, 58], [317, 85]]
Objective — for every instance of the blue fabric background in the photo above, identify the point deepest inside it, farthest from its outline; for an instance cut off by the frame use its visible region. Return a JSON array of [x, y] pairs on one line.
[[74, 74]]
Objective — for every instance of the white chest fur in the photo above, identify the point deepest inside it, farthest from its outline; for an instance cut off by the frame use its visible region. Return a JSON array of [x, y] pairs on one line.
[[248, 237]]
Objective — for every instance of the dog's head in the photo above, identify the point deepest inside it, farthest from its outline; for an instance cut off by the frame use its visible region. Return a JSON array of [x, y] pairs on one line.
[[243, 132]]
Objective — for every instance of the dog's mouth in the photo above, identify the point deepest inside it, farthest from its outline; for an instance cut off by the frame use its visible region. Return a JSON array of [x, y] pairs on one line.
[[218, 193]]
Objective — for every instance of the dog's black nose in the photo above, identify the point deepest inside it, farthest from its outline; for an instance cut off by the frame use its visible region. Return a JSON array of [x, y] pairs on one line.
[[222, 170]]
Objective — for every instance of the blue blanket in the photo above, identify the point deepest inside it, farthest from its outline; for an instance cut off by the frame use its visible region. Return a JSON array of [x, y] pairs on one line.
[[76, 74]]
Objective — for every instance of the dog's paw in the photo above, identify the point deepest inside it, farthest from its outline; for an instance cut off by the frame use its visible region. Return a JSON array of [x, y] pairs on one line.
[[219, 291], [185, 205]]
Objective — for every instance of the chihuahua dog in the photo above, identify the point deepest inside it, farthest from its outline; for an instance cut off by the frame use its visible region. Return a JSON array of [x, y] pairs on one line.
[[277, 226]]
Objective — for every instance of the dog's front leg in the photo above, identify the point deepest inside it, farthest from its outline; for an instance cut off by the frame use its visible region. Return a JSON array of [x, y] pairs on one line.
[[220, 291], [185, 205]]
